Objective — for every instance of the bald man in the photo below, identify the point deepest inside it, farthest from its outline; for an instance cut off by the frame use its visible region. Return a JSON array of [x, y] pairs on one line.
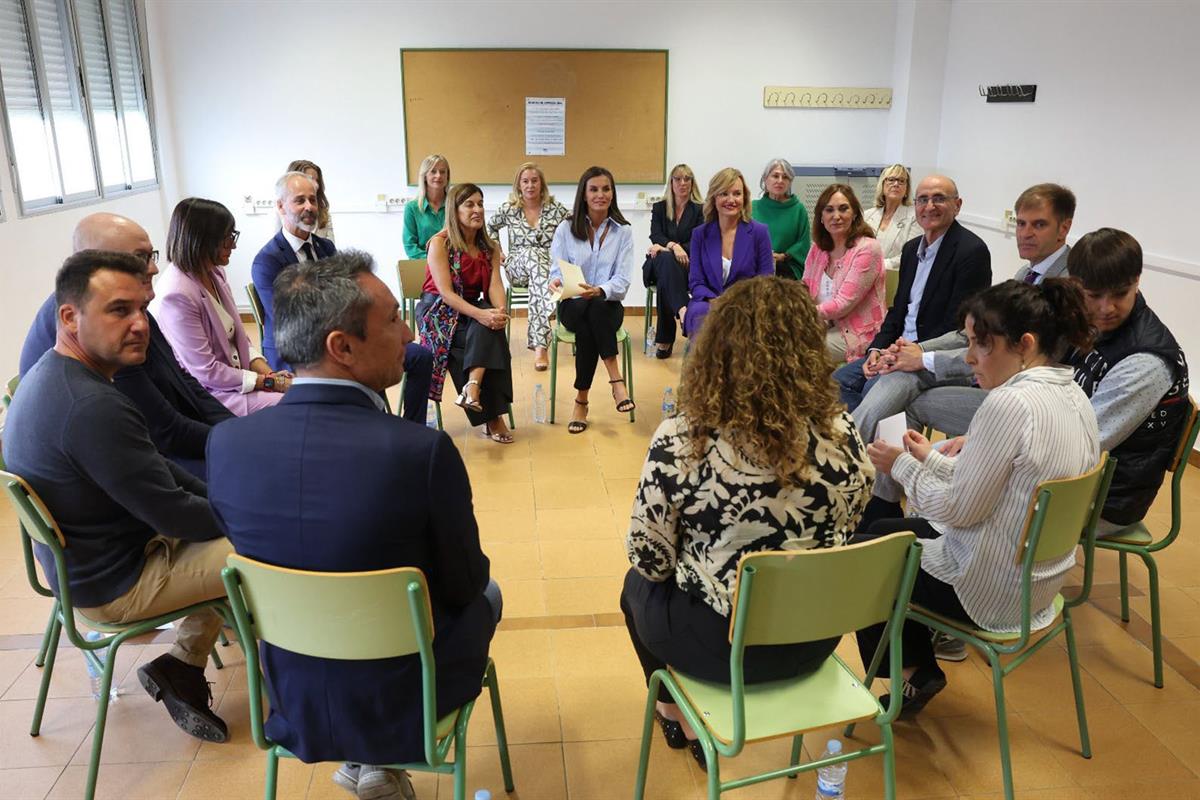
[[178, 411]]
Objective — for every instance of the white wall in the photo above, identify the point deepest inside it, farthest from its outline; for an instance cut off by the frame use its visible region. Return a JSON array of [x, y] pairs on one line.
[[243, 97], [1115, 119]]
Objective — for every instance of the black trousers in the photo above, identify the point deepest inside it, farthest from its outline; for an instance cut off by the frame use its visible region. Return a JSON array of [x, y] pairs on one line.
[[671, 279], [928, 592], [595, 323], [670, 626], [476, 345]]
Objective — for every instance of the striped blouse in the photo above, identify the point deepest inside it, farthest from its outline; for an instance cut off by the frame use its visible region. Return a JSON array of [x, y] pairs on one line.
[[1035, 427]]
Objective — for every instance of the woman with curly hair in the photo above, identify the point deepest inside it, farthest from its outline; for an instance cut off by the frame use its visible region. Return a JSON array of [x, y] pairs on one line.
[[760, 426]]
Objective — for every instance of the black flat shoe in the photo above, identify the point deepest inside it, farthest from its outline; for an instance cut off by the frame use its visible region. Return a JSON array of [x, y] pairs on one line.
[[698, 753], [184, 691], [918, 690], [660, 352], [672, 732]]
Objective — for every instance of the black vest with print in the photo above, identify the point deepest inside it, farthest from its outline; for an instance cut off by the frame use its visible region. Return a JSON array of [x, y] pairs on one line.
[[1145, 455]]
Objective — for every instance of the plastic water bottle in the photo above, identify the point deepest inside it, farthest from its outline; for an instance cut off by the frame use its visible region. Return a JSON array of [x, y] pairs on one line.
[[94, 675], [430, 415], [483, 794], [539, 404], [831, 779], [650, 347], [668, 405]]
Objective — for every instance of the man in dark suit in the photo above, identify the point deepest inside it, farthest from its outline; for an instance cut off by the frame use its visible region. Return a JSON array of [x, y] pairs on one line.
[[178, 411], [353, 488], [938, 270], [296, 203]]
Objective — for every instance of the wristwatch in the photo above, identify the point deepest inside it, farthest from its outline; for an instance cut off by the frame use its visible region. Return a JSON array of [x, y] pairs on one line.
[[269, 383]]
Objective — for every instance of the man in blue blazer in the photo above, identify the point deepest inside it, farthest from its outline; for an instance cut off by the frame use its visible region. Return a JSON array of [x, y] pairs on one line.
[[938, 270], [178, 411], [296, 203], [328, 481]]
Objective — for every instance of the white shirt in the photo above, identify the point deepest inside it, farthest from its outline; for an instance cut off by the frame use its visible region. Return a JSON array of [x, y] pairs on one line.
[[296, 242], [926, 255], [726, 265], [825, 293], [1037, 426], [249, 377]]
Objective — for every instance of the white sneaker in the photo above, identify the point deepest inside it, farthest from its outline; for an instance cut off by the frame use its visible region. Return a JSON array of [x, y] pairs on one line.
[[378, 783]]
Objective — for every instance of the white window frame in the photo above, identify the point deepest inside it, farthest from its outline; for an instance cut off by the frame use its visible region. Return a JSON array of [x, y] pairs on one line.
[[101, 193]]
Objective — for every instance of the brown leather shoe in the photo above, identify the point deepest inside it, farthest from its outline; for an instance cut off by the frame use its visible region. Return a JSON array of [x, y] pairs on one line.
[[184, 691]]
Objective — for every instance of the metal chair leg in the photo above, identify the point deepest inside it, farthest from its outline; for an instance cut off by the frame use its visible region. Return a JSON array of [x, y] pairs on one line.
[[35, 727], [1124, 571], [493, 686], [1001, 723], [110, 660], [1155, 618], [553, 373], [1085, 743], [797, 743]]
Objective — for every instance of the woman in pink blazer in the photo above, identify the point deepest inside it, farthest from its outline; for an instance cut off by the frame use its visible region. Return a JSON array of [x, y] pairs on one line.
[[195, 309], [844, 274]]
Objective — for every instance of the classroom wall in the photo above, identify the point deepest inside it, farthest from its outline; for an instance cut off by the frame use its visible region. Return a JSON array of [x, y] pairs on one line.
[[243, 97], [1115, 119]]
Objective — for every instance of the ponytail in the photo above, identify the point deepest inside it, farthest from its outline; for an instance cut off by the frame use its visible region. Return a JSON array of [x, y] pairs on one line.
[[1053, 312]]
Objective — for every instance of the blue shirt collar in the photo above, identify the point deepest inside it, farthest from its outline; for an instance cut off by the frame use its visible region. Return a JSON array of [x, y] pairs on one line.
[[375, 398]]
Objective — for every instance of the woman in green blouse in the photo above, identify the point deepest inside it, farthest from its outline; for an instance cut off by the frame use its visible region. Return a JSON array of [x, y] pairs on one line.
[[785, 217], [426, 215]]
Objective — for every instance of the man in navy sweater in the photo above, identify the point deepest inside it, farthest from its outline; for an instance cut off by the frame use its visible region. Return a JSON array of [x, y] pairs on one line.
[[141, 537]]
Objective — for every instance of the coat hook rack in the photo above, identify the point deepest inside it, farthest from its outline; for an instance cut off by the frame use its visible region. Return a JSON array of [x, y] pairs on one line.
[[1009, 92]]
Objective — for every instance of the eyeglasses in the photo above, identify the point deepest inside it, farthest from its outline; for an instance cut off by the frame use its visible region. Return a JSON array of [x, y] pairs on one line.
[[937, 199], [147, 257], [893, 181], [233, 237]]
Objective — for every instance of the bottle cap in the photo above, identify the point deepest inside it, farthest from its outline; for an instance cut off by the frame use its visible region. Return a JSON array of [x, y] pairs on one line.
[[834, 746]]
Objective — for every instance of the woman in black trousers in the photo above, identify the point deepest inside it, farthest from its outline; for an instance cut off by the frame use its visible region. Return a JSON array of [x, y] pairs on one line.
[[671, 222]]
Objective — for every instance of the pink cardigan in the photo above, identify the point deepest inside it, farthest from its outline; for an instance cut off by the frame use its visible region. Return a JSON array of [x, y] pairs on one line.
[[857, 307]]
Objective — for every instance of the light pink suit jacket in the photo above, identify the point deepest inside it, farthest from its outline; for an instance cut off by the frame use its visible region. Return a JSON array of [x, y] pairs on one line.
[[198, 338], [857, 307]]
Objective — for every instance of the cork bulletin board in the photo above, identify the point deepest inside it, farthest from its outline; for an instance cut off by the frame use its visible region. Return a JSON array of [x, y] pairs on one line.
[[470, 105]]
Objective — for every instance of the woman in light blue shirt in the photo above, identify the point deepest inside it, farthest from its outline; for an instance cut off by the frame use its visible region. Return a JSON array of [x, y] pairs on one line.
[[598, 239]]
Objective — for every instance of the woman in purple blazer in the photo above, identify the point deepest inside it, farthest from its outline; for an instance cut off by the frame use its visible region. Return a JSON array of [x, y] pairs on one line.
[[727, 248], [195, 309]]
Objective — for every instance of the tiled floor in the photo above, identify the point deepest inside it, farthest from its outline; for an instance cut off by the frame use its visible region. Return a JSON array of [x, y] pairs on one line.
[[552, 510]]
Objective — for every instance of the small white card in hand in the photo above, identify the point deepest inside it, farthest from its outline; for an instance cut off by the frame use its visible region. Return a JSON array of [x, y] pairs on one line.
[[891, 429], [572, 276]]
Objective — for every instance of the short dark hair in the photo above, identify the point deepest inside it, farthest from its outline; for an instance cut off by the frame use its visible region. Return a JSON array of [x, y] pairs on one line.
[[75, 275], [1106, 260], [858, 227], [579, 213], [1060, 199], [316, 298], [197, 228], [1054, 312]]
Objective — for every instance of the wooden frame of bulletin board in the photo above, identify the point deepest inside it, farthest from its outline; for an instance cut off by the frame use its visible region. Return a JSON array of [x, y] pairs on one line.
[[469, 105]]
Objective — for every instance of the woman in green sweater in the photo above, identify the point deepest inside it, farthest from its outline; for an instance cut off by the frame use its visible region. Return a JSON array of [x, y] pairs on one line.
[[426, 215], [785, 217]]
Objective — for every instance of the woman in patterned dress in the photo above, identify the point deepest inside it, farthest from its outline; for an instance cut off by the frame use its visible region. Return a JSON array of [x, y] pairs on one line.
[[762, 456], [531, 214]]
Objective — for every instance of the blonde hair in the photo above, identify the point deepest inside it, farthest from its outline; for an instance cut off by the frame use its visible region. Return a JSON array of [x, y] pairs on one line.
[[894, 171], [428, 163], [724, 179], [759, 375], [514, 197], [456, 239], [669, 191]]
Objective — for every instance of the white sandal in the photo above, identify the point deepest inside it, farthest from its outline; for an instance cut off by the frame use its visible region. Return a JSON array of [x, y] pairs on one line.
[[462, 402]]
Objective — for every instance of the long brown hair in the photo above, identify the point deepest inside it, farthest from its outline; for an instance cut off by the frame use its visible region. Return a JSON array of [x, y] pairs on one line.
[[456, 238], [579, 213], [759, 374], [859, 228]]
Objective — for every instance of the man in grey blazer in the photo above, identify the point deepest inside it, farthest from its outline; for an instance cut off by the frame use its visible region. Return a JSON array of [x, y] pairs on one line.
[[931, 380]]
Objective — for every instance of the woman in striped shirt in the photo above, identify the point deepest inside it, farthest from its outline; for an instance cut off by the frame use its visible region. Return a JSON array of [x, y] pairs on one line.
[[969, 499]]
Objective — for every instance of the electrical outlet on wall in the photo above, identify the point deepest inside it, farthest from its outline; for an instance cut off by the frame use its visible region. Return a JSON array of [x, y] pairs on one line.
[[1010, 217]]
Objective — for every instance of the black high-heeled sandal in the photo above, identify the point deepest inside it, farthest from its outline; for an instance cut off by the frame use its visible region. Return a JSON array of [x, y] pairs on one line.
[[672, 732], [578, 425], [626, 405]]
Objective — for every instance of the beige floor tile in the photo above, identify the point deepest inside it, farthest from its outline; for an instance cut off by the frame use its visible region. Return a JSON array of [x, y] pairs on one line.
[[522, 654], [234, 708], [1180, 611], [557, 524], [1125, 669], [584, 558], [621, 491], [243, 779], [522, 598], [594, 652], [537, 773], [152, 781], [1163, 790], [28, 783], [606, 769], [530, 713], [70, 676], [917, 775], [514, 561], [502, 496], [1044, 682], [584, 595], [24, 615], [12, 664], [139, 730], [570, 492], [506, 526], [1121, 747], [562, 467], [1173, 724], [64, 725], [605, 707]]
